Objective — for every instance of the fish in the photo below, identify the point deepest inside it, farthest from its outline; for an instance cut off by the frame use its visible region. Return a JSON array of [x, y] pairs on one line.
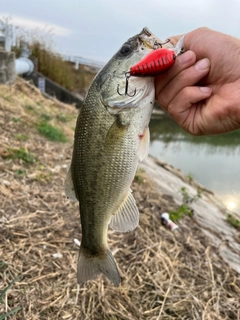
[[111, 137]]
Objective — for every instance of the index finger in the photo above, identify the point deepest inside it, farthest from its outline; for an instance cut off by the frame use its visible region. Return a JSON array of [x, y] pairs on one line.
[[184, 61]]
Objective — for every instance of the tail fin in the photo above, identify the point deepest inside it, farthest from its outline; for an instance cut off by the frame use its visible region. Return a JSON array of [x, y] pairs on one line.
[[90, 266]]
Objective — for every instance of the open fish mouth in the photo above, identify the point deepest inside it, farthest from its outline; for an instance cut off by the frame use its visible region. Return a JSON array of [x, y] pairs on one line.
[[149, 39]]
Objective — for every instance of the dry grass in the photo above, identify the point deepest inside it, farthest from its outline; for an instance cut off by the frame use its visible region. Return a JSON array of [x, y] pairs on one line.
[[163, 275], [54, 67]]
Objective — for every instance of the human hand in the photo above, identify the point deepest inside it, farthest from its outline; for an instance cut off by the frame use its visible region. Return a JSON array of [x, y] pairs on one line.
[[203, 99]]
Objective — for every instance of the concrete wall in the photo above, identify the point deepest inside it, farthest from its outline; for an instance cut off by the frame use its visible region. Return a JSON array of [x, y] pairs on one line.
[[55, 90], [7, 67], [8, 76]]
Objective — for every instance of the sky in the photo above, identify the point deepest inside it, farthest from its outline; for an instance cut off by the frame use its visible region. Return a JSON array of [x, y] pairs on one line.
[[96, 29]]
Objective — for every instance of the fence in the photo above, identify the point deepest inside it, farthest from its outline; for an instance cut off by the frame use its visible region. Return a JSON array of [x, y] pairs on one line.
[[84, 61]]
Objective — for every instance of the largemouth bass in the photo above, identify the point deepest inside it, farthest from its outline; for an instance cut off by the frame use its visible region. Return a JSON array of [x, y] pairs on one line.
[[111, 137]]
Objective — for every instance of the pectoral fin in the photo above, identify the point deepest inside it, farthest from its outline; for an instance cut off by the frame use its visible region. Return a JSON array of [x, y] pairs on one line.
[[127, 216], [116, 133], [69, 188], [144, 144]]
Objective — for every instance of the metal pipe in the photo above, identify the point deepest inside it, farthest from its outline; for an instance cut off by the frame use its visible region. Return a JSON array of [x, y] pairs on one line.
[[24, 66]]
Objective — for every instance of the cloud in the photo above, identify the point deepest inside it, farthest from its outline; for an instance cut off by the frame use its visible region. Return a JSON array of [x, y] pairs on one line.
[[33, 24]]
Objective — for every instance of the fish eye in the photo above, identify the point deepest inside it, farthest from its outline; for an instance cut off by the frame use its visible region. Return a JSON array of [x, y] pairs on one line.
[[125, 50]]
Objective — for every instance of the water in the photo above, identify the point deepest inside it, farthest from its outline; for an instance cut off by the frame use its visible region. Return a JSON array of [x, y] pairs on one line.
[[213, 161]]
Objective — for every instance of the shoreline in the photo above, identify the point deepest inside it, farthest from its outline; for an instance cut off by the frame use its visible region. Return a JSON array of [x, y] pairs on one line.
[[209, 213]]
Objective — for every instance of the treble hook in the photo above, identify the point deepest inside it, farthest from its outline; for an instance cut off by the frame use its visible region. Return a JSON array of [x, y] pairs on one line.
[[127, 75], [158, 44]]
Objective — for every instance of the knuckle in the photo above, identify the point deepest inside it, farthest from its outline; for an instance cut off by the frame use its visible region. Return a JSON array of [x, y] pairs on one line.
[[202, 29], [190, 76], [185, 76], [162, 100], [171, 109], [185, 93]]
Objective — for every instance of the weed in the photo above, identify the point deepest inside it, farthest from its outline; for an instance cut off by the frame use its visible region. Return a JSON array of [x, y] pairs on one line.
[[16, 119], [3, 266], [139, 179], [63, 117], [29, 107], [187, 199], [190, 177], [43, 177], [51, 132], [46, 117], [21, 153], [25, 155], [233, 221], [184, 208], [8, 98], [41, 167], [20, 172], [21, 137], [4, 316]]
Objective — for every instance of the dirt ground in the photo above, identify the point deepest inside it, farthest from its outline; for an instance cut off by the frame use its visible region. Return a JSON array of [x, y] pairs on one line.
[[164, 275]]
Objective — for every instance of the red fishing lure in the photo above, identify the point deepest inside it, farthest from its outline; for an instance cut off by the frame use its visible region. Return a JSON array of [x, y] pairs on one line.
[[151, 65], [154, 63]]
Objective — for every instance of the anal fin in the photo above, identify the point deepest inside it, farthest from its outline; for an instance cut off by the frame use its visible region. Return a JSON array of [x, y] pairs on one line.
[[127, 216]]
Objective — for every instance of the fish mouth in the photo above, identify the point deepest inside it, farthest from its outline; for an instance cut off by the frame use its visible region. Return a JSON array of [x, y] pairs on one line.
[[149, 40]]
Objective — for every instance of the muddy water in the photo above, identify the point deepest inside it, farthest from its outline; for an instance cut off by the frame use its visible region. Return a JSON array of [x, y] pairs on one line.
[[213, 161]]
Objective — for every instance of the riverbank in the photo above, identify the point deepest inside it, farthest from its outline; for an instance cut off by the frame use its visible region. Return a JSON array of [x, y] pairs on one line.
[[186, 274], [208, 211], [213, 161]]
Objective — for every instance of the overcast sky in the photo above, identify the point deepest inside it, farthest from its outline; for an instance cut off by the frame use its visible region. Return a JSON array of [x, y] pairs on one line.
[[96, 29]]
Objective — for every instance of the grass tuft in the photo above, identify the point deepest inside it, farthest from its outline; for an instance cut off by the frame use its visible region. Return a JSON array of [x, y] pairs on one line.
[[233, 221], [2, 294], [51, 132], [21, 137], [185, 207], [20, 154], [16, 119]]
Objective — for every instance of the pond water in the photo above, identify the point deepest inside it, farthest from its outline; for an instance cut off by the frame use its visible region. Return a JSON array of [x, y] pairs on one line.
[[213, 161]]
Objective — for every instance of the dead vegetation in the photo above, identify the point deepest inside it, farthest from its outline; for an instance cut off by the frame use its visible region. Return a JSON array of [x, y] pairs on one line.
[[164, 275]]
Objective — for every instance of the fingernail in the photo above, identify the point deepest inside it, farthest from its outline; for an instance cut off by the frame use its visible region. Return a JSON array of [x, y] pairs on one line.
[[205, 89], [202, 64], [185, 57]]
